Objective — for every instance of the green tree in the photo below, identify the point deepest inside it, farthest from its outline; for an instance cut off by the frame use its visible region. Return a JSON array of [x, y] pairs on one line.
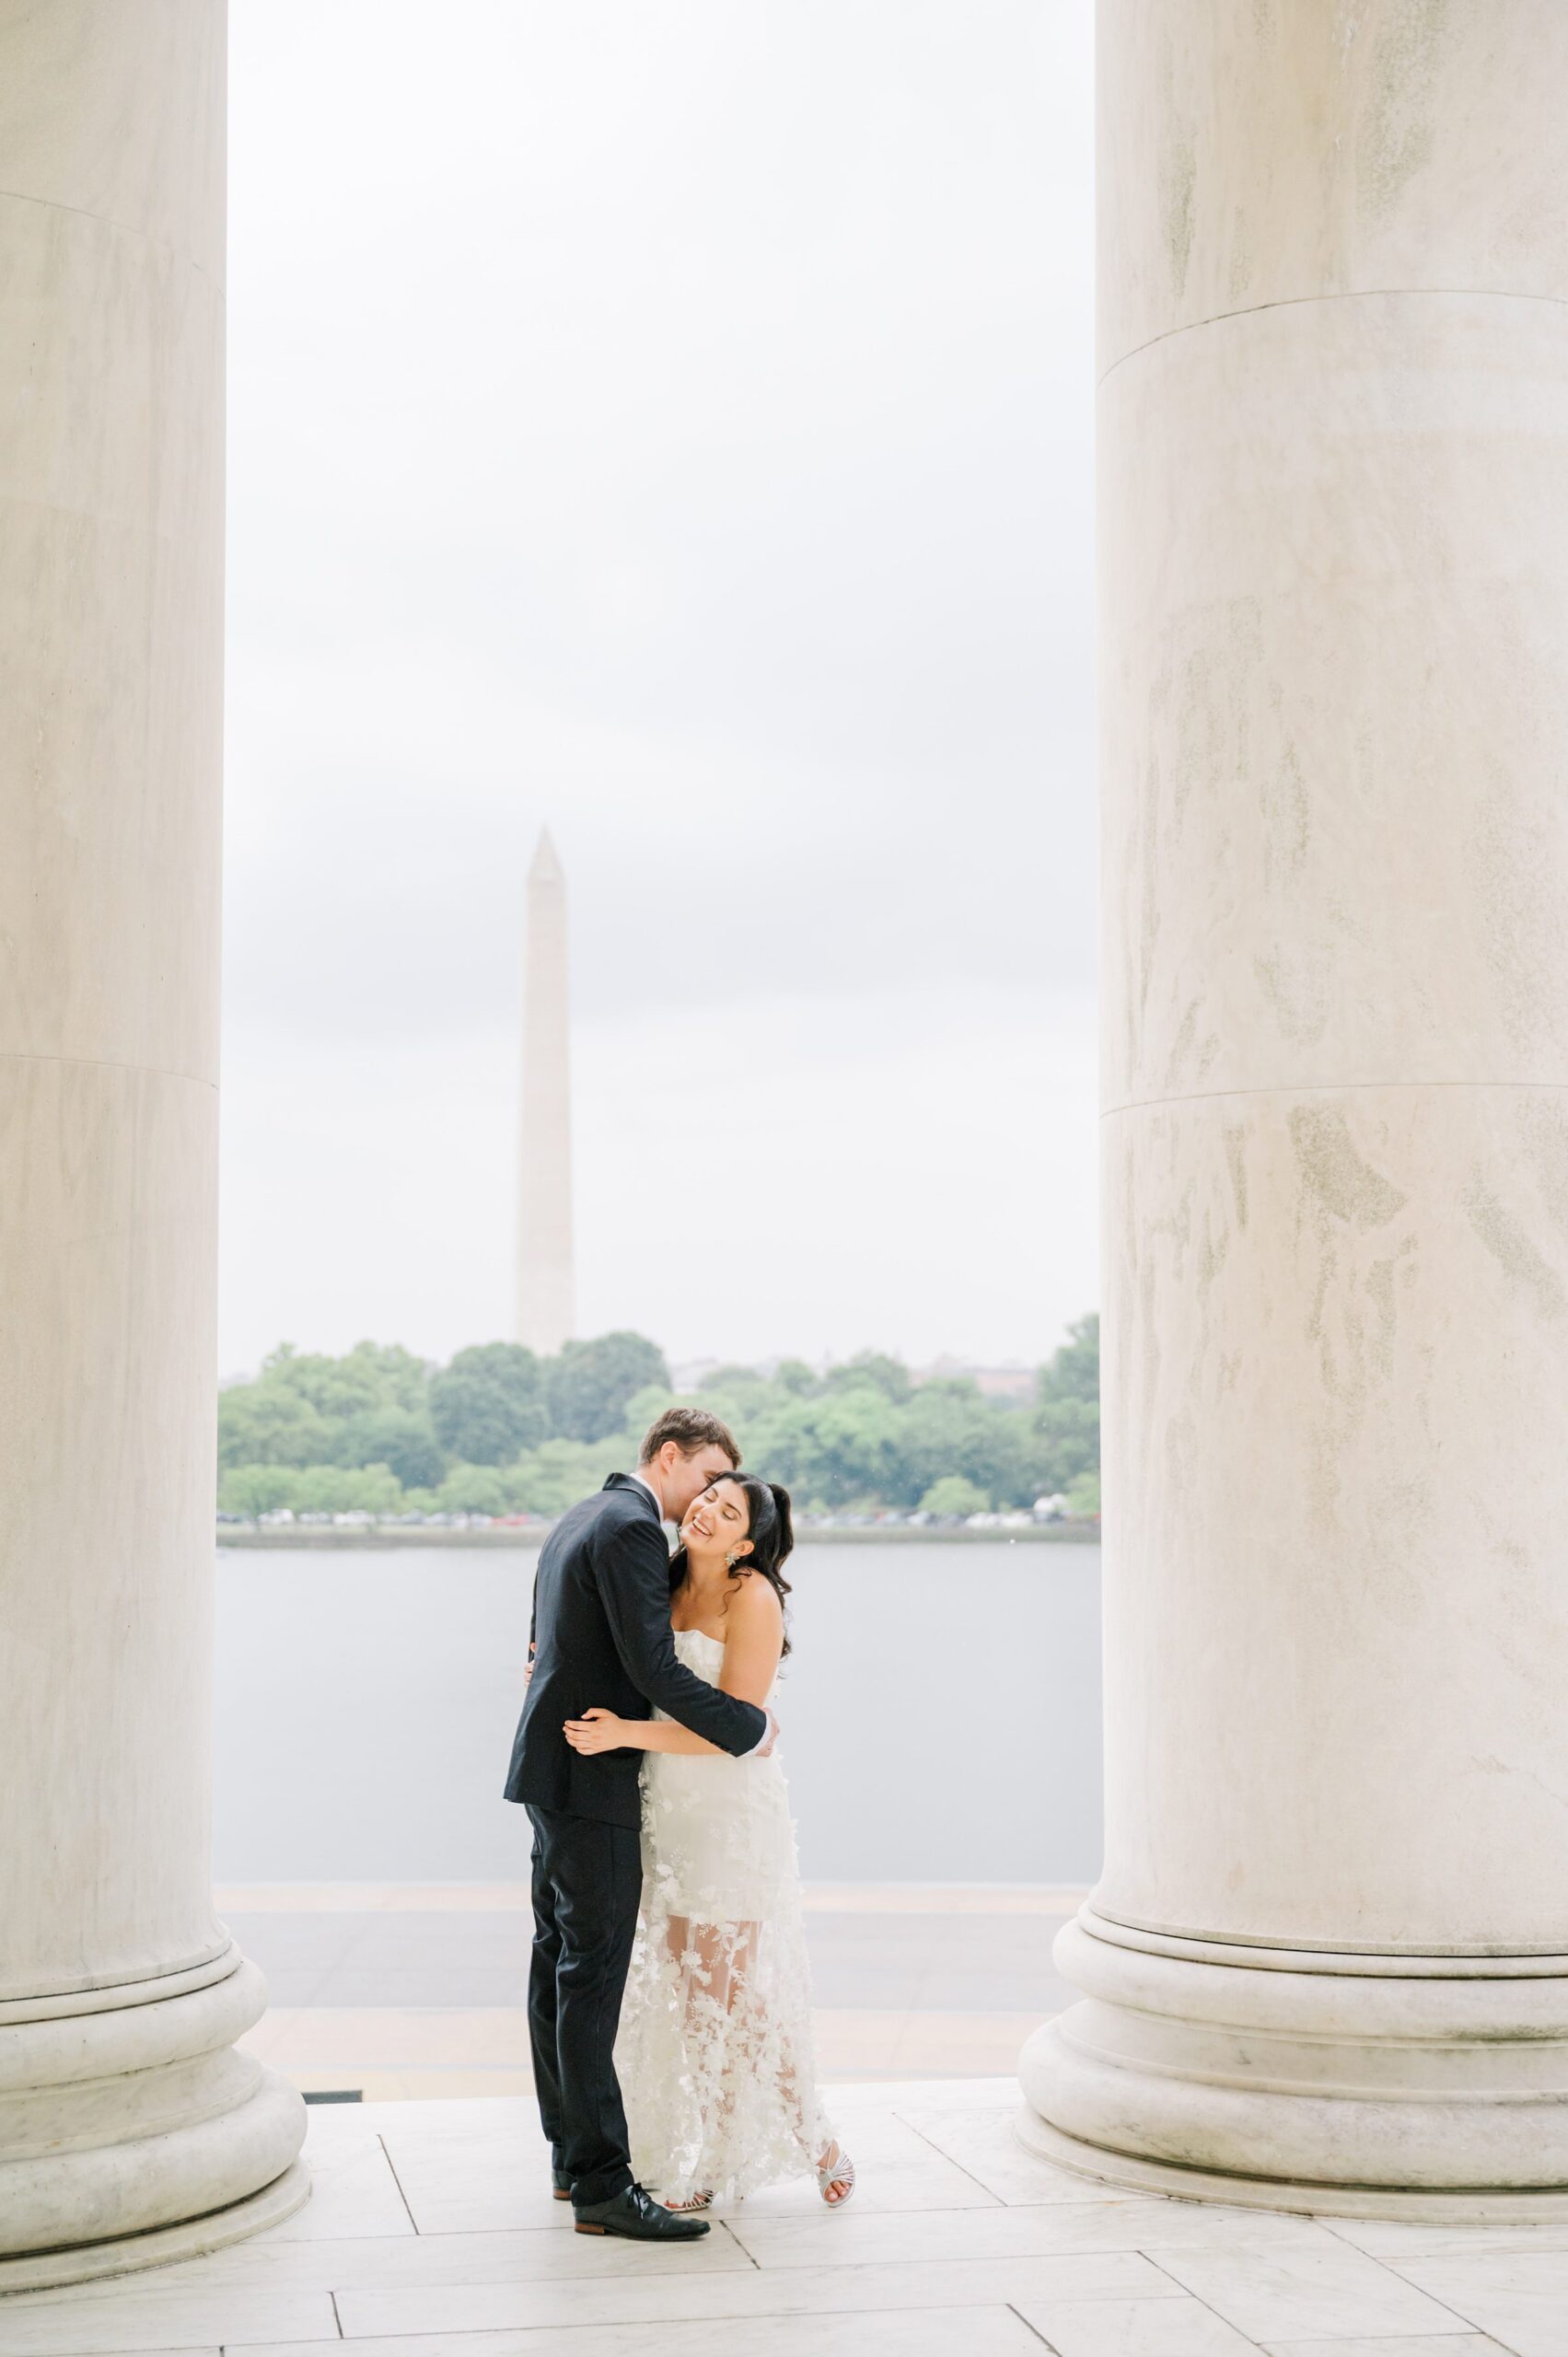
[[394, 1437], [472, 1488], [309, 1489], [872, 1370], [270, 1423], [296, 1411], [553, 1476], [953, 1495], [253, 1490], [346, 1489], [1082, 1494], [742, 1398], [839, 1449], [950, 1427], [1065, 1443], [589, 1385], [370, 1375], [500, 1429], [488, 1404], [1073, 1373], [641, 1410], [732, 1391], [1066, 1417]]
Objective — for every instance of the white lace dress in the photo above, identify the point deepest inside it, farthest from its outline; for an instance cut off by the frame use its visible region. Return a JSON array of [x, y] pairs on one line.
[[714, 2052]]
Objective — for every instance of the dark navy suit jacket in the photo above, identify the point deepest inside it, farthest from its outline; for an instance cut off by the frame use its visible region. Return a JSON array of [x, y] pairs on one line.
[[602, 1636]]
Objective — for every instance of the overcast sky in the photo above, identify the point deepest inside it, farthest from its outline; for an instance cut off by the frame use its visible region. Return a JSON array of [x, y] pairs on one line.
[[668, 420]]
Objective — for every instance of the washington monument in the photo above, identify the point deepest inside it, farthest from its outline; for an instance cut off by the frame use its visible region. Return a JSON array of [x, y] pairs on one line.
[[545, 1308]]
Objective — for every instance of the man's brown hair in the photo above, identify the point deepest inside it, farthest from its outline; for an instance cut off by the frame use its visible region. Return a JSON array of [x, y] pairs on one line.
[[691, 1429]]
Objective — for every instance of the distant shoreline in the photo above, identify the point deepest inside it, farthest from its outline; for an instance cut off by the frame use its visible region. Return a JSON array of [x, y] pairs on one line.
[[393, 1541]]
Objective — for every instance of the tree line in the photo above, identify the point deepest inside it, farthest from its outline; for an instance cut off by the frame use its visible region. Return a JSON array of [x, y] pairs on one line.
[[499, 1430]]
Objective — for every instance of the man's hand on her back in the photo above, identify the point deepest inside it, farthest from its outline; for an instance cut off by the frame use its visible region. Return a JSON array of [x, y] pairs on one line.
[[769, 1739]]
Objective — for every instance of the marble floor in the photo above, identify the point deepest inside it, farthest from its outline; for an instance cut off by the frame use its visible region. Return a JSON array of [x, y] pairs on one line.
[[431, 2231]]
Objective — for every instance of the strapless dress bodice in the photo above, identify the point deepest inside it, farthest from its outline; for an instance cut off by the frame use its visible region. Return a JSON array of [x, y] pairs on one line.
[[703, 1655]]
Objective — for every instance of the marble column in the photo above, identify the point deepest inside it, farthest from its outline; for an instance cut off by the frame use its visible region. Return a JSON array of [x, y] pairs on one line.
[[1326, 1965], [131, 2130], [546, 1305]]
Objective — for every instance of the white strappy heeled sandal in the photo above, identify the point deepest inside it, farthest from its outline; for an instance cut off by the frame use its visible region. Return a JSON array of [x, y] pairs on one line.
[[840, 2170]]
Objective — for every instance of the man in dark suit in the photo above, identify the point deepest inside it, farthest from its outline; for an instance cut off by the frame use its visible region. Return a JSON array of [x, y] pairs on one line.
[[602, 1636]]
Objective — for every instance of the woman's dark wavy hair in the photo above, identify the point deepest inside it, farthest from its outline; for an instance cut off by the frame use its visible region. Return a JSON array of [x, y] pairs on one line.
[[770, 1530]]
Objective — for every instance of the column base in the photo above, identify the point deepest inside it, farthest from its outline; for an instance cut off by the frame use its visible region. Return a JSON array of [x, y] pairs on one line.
[[1357, 2085], [48, 2271], [133, 2130], [1545, 2208]]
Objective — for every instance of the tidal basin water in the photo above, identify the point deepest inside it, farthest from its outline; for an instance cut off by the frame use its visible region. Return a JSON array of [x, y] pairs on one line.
[[940, 1714]]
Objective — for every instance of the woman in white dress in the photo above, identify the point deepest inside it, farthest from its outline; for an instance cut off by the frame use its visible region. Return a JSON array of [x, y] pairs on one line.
[[714, 2053]]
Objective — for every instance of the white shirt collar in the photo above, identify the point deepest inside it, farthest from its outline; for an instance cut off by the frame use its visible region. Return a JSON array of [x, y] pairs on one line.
[[658, 1501]]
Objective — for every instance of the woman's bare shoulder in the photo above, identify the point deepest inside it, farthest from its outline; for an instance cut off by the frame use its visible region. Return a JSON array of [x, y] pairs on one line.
[[757, 1599]]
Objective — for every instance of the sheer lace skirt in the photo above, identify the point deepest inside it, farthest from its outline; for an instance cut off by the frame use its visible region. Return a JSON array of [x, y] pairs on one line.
[[716, 2055]]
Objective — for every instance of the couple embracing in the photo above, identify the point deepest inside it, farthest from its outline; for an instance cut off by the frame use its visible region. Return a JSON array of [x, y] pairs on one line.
[[669, 2006]]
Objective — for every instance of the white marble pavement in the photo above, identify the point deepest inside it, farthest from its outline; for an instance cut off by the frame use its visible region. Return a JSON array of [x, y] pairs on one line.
[[431, 2230]]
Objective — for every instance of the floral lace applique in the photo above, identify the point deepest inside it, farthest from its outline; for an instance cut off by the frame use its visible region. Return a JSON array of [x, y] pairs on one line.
[[715, 2053]]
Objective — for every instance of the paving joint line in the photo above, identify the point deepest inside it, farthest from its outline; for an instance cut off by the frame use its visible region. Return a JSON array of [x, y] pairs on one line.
[[397, 2181], [1466, 2324], [1188, 2293], [998, 2200]]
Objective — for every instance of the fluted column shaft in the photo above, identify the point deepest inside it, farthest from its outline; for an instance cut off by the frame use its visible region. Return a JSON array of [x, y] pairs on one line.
[[1330, 1949], [123, 2109]]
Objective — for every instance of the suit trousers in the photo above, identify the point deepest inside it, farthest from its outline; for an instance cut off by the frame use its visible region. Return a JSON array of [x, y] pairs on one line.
[[587, 1882]]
